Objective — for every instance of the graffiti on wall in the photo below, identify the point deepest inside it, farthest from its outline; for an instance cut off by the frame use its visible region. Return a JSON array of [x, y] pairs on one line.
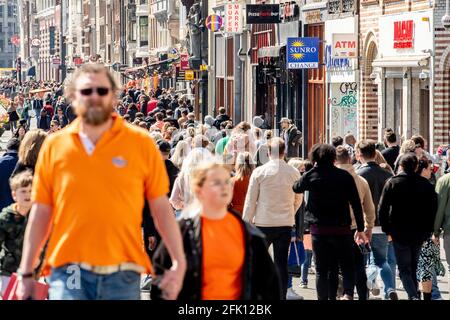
[[343, 108], [348, 95]]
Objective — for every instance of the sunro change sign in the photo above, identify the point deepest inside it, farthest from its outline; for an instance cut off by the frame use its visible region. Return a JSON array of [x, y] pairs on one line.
[[302, 53]]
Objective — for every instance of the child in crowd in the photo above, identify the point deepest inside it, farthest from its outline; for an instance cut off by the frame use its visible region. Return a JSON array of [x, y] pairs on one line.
[[13, 221]]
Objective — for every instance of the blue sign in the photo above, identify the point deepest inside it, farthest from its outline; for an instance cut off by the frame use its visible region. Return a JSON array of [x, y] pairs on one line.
[[302, 53], [335, 63]]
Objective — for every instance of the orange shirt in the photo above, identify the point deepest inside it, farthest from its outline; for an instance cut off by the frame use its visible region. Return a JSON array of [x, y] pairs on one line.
[[223, 258], [97, 200], [239, 193]]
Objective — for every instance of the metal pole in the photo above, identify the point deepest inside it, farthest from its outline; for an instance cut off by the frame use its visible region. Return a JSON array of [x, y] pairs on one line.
[[225, 77], [237, 80], [62, 43]]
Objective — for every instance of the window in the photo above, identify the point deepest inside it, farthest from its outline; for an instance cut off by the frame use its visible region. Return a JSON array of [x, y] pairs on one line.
[[10, 11], [2, 45], [143, 2], [132, 35], [1, 11], [143, 31], [11, 28]]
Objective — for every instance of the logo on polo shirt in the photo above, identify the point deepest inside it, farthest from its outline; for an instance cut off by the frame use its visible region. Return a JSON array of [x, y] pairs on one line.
[[119, 162]]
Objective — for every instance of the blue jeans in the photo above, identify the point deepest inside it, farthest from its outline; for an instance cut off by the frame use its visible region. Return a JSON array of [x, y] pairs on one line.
[[306, 265], [70, 282], [378, 259], [392, 263], [435, 292]]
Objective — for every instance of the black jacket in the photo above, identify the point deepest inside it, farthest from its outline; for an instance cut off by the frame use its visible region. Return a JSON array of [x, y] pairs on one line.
[[260, 279], [7, 164], [407, 208], [390, 155], [220, 118], [331, 190], [294, 142], [376, 177]]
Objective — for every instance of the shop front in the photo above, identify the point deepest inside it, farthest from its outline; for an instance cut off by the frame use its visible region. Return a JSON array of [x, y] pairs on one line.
[[403, 74], [314, 15], [275, 89], [341, 63]]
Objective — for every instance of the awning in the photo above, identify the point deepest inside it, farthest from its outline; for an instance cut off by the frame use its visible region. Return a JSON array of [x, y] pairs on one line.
[[402, 61], [269, 52], [150, 66]]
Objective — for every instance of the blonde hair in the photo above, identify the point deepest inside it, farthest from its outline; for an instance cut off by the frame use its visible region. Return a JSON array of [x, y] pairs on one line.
[[190, 132], [180, 153], [30, 146], [381, 161], [408, 146], [199, 173], [296, 163], [244, 165], [268, 134], [156, 136], [21, 180]]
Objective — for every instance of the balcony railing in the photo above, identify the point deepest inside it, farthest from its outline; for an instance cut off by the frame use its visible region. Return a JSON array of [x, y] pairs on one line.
[[160, 6], [341, 6]]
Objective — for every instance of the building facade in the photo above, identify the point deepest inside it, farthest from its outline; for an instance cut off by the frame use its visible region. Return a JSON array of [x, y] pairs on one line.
[[9, 33]]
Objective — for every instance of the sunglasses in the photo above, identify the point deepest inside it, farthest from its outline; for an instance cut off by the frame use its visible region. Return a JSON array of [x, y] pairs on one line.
[[101, 91]]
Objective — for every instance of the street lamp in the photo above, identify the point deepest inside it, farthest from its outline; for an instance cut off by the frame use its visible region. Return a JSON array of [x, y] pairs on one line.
[[446, 18]]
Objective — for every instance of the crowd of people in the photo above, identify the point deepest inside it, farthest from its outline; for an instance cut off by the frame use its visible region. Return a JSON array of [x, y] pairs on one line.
[[206, 199]]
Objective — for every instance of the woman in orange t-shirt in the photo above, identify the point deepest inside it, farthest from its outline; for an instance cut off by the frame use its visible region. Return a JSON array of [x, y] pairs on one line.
[[227, 258], [244, 168]]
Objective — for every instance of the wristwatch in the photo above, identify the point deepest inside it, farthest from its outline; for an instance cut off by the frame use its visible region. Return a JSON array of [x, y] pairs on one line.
[[21, 275]]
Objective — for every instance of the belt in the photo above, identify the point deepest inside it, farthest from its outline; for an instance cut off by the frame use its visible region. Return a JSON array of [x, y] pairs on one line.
[[126, 266]]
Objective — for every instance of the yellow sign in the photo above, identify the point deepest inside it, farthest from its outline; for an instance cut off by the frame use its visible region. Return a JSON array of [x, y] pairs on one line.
[[203, 67], [189, 75]]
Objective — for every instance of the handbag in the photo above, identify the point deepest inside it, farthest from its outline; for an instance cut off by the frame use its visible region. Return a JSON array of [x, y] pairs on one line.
[[40, 289], [296, 258], [13, 115]]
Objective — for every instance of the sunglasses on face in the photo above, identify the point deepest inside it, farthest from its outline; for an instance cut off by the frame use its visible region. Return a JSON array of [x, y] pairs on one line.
[[101, 91]]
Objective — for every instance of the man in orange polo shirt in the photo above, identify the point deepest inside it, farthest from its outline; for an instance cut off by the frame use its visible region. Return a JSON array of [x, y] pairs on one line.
[[88, 192]]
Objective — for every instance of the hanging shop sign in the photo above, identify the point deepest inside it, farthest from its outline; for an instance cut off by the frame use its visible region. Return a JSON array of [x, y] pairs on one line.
[[403, 34], [77, 61], [302, 53], [289, 11], [214, 22], [345, 45], [233, 18], [263, 13], [35, 42], [56, 61], [184, 61], [180, 74], [189, 75]]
